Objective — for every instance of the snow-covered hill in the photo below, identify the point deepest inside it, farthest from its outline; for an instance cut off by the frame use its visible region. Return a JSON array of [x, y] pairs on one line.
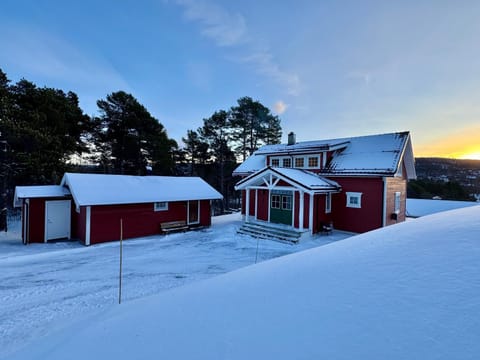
[[408, 291]]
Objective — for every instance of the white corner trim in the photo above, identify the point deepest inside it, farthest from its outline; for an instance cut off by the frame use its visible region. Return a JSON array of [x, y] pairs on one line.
[[87, 225]]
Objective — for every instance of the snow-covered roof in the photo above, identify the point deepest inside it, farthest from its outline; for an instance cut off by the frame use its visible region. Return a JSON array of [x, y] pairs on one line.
[[422, 207], [299, 178], [40, 191], [99, 189], [373, 154]]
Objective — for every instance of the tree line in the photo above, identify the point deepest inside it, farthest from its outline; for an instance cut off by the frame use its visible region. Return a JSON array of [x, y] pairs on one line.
[[43, 130]]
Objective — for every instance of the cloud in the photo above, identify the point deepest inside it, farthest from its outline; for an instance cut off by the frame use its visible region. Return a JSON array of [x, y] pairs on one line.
[[280, 107], [229, 29], [365, 77], [226, 29]]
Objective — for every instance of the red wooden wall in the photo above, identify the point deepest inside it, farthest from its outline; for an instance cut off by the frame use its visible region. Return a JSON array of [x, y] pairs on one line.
[[363, 219]]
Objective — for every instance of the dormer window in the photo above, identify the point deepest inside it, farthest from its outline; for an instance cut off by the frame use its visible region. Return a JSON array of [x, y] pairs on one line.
[[286, 162], [299, 162], [275, 162], [313, 161]]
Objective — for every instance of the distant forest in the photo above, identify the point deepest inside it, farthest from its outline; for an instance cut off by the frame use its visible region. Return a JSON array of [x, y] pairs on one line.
[[448, 179], [44, 133]]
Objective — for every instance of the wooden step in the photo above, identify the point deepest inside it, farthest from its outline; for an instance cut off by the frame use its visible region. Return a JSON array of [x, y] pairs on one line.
[[266, 231]]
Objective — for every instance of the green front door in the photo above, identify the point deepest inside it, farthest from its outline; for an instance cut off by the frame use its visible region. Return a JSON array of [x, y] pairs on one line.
[[281, 207]]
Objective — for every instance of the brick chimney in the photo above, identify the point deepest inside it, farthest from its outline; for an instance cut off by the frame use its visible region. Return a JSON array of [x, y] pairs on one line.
[[291, 138]]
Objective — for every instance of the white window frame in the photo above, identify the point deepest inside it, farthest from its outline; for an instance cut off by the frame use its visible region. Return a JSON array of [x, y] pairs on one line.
[[354, 195], [328, 203], [308, 162], [276, 159], [283, 162], [397, 202], [295, 162], [160, 206]]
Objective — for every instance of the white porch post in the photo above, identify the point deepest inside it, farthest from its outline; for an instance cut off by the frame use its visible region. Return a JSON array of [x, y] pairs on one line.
[[310, 214], [247, 204], [269, 204], [256, 203], [301, 214], [87, 225]]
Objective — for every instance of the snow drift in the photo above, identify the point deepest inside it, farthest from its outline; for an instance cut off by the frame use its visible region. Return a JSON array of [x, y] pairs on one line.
[[408, 291]]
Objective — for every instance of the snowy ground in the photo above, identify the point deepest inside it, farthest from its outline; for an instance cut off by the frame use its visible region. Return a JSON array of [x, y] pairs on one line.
[[43, 285], [407, 291]]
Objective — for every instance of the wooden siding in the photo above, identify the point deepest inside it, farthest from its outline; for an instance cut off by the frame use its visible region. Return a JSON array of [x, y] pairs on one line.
[[366, 218], [262, 205], [138, 220]]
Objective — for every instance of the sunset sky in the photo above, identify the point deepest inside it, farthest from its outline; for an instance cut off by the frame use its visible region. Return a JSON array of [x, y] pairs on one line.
[[328, 68]]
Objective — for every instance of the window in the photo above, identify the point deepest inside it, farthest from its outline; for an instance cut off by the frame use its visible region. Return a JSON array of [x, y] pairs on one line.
[[275, 162], [313, 162], [275, 201], [287, 162], [328, 203], [286, 202], [299, 162], [354, 199], [160, 206], [397, 202]]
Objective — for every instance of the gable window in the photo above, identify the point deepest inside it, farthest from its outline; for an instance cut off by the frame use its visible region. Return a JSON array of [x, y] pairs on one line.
[[313, 162], [275, 201], [328, 203], [160, 206], [287, 163], [299, 162], [286, 202], [397, 202], [275, 162], [354, 199]]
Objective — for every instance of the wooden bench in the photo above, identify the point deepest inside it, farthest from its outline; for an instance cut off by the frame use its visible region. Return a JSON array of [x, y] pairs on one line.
[[177, 225]]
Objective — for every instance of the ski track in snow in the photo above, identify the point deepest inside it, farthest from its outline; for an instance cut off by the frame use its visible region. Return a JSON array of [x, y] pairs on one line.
[[43, 285]]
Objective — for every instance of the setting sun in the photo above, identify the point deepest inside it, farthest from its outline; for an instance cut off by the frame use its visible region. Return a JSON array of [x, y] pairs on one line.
[[471, 156]]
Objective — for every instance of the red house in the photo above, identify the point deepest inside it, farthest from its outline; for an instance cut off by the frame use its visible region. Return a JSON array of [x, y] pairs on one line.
[[89, 207], [355, 184]]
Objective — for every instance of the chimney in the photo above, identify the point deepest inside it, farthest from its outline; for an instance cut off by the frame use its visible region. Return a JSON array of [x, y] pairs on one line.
[[291, 138]]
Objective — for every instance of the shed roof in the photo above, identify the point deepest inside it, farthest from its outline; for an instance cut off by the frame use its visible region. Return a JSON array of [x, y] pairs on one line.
[[40, 191], [363, 155], [99, 189]]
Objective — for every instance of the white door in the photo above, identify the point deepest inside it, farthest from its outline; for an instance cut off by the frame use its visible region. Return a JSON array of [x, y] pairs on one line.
[[57, 219]]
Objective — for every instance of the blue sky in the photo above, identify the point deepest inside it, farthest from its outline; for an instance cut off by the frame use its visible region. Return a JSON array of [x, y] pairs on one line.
[[327, 68]]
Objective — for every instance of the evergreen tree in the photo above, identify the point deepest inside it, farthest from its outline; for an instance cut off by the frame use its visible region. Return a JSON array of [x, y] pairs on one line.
[[253, 125], [195, 149], [130, 139], [215, 133], [44, 128]]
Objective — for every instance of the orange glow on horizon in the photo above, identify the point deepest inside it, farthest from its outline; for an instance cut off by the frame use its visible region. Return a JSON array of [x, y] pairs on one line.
[[464, 144]]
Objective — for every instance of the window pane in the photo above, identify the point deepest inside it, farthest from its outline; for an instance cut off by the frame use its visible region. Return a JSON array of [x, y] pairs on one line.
[[299, 162], [287, 163], [313, 161], [275, 162], [286, 202], [276, 201]]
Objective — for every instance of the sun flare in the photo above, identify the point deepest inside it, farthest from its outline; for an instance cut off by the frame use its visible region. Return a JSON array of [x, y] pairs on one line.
[[471, 156]]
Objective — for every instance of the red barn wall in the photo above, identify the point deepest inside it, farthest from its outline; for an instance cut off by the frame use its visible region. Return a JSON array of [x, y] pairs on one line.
[[363, 219], [80, 219], [320, 217], [262, 205], [36, 221], [138, 220], [205, 213]]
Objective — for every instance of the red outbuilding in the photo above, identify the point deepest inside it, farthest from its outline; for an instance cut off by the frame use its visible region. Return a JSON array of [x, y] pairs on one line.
[[95, 208], [353, 184]]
